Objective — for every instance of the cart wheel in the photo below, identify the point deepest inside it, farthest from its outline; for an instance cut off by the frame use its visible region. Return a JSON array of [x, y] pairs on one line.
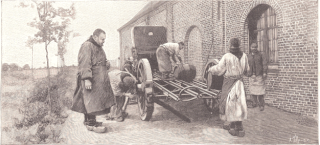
[[211, 104], [206, 73], [144, 76]]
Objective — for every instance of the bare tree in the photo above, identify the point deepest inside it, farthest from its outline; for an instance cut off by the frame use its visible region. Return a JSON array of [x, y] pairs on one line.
[[52, 22], [30, 42]]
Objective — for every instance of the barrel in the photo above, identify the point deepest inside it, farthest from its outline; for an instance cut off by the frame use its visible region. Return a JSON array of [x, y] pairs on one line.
[[185, 72]]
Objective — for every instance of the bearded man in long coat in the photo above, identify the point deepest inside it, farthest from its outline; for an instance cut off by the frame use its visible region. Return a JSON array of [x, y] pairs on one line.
[[93, 95], [233, 108]]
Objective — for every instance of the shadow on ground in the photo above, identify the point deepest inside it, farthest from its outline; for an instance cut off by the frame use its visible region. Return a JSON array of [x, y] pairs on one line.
[[271, 126]]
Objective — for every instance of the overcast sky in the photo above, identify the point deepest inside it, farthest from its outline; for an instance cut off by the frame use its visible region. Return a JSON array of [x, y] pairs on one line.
[[107, 15]]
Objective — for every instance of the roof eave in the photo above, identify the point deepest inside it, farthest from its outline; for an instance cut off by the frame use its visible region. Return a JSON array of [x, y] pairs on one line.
[[143, 12]]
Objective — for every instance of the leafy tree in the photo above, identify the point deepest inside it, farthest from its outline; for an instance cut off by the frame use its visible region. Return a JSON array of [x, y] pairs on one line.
[[19, 68], [5, 67], [14, 67], [26, 67], [51, 22]]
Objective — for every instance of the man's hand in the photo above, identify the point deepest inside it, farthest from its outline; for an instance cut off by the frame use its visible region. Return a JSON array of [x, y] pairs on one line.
[[87, 84], [179, 57]]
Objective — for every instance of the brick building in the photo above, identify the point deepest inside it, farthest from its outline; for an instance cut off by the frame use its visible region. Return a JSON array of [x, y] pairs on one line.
[[286, 30]]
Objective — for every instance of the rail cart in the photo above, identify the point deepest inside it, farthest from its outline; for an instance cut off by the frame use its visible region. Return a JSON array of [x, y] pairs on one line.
[[152, 89]]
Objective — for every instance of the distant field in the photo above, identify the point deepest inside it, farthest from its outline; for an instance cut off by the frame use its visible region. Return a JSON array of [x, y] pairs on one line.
[[39, 73]]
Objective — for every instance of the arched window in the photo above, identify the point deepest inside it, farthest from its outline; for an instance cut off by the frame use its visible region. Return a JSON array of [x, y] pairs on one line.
[[193, 53], [263, 30]]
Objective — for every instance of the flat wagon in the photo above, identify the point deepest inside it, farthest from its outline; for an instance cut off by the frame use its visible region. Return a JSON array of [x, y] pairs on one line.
[[152, 89]]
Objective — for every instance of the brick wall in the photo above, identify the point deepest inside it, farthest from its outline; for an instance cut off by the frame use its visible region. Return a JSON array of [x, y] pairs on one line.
[[159, 19], [292, 86], [193, 54], [193, 24]]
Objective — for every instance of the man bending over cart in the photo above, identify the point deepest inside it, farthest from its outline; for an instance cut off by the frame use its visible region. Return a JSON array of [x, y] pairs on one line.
[[124, 87], [168, 55]]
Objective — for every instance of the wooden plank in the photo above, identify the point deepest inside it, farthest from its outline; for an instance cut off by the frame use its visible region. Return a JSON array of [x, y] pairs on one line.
[[171, 109]]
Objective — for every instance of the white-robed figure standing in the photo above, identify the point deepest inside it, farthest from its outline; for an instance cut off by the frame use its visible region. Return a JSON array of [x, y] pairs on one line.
[[233, 108]]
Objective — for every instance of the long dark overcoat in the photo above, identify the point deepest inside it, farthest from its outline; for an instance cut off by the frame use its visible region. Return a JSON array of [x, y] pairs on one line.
[[92, 66]]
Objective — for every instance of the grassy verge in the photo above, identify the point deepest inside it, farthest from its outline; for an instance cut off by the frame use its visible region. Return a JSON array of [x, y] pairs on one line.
[[36, 122]]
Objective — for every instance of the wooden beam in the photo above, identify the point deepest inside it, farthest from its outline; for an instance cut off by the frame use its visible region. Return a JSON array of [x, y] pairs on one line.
[[171, 109]]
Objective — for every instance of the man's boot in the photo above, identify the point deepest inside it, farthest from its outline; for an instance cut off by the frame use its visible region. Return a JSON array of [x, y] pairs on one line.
[[240, 129], [226, 125], [119, 119], [93, 125], [254, 101], [91, 121], [261, 102], [124, 115], [233, 131], [85, 119]]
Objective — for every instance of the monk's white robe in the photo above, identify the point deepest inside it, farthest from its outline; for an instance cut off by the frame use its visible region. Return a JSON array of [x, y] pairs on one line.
[[233, 105]]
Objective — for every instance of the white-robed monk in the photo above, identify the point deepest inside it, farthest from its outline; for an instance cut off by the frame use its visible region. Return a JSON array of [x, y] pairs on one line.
[[233, 108]]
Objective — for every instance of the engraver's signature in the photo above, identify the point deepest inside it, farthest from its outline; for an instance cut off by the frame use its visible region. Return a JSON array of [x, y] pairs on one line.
[[296, 139]]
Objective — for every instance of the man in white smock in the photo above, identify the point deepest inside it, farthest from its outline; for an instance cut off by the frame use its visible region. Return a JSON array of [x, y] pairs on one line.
[[233, 107]]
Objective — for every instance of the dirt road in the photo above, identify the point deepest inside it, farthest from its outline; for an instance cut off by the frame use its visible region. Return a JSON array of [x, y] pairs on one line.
[[271, 126]]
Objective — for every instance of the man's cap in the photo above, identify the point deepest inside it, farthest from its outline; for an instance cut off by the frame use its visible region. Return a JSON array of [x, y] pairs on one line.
[[235, 42]]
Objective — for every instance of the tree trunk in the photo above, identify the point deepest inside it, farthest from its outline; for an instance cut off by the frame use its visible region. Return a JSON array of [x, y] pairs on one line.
[[62, 63], [48, 68], [32, 65]]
